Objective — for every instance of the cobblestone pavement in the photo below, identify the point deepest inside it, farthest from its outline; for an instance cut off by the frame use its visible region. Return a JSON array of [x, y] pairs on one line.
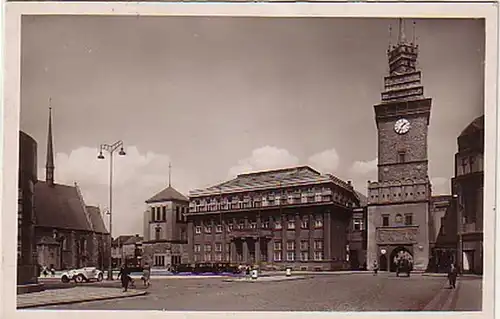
[[71, 295], [363, 292]]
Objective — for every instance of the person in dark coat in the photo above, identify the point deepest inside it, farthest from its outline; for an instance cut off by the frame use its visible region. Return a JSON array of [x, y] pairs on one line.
[[375, 268], [452, 275], [124, 275]]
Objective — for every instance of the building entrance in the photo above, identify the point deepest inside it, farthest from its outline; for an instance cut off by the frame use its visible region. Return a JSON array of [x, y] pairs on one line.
[[397, 254]]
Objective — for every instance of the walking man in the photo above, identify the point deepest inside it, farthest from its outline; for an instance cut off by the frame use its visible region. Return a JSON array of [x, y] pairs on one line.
[[146, 274], [452, 275], [375, 268], [124, 275]]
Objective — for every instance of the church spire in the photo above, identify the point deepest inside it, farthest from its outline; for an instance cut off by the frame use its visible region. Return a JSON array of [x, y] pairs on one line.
[[401, 34], [49, 166], [169, 174]]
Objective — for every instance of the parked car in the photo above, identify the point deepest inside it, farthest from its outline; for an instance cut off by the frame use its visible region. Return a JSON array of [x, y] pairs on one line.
[[182, 268], [80, 275]]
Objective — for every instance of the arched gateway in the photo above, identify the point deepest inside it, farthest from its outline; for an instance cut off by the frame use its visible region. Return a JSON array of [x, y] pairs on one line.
[[399, 253]]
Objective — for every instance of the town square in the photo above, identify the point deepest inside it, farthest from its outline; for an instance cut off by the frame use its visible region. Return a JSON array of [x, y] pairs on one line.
[[338, 168]]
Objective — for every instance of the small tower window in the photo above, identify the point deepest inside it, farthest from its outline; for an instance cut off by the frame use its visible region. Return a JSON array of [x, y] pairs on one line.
[[402, 157]]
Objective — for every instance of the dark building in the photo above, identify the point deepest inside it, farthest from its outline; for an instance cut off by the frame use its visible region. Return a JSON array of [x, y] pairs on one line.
[[26, 248], [398, 202], [165, 229], [69, 234], [287, 217], [442, 233], [468, 190]]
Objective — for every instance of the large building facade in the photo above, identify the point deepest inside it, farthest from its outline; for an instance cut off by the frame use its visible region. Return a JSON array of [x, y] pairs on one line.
[[398, 202], [293, 217], [165, 229], [468, 190]]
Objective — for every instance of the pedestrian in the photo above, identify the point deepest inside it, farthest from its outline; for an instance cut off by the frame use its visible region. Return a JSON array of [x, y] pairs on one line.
[[124, 275], [375, 268], [247, 272], [452, 275], [52, 270], [146, 274]]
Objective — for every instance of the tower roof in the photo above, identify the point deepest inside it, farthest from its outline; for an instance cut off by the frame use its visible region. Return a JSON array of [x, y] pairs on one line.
[[474, 126], [168, 194]]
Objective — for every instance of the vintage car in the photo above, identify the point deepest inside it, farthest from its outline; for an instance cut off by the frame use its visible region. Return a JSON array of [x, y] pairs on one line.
[[80, 275]]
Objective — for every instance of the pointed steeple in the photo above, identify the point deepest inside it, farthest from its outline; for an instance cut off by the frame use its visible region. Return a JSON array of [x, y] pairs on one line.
[[169, 174], [49, 166], [401, 34]]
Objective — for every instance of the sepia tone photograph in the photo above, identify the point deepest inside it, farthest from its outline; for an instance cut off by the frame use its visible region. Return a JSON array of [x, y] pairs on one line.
[[251, 164]]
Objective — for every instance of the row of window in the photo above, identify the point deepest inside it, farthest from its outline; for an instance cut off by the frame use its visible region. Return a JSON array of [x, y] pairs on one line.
[[291, 256], [277, 256], [256, 203], [266, 224], [290, 245], [159, 213], [398, 220], [388, 196]]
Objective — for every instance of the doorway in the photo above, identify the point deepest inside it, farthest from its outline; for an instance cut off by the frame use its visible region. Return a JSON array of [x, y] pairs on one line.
[[383, 262], [397, 253]]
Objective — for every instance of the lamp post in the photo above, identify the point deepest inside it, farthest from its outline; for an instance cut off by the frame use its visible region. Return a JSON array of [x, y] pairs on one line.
[[111, 148]]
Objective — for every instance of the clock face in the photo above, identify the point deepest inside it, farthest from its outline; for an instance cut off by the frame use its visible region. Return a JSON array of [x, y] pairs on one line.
[[402, 126]]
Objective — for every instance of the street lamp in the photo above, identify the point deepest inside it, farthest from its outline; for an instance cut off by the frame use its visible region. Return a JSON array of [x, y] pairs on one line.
[[111, 148]]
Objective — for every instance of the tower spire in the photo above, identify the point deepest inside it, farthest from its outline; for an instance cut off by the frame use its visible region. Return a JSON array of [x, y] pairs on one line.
[[169, 174], [49, 166], [401, 34]]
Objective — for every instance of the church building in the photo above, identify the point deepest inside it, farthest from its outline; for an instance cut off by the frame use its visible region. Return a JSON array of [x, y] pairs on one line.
[[68, 233], [398, 202]]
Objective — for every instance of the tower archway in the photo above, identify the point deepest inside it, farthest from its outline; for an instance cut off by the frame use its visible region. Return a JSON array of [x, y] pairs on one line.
[[399, 252]]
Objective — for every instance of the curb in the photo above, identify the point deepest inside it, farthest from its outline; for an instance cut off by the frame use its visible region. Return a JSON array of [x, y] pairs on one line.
[[265, 281], [55, 303]]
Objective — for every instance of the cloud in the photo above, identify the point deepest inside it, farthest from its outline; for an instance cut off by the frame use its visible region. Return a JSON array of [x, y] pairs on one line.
[[136, 177], [440, 186], [264, 158], [364, 167], [326, 161]]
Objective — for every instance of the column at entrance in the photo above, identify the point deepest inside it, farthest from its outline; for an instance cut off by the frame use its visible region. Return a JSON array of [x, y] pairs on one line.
[[232, 256], [257, 250], [245, 250], [270, 250]]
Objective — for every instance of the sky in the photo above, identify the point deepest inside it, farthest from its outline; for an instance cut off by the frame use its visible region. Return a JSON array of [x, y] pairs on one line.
[[219, 96]]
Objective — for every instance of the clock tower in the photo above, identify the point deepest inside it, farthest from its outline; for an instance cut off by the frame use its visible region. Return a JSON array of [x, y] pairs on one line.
[[398, 207]]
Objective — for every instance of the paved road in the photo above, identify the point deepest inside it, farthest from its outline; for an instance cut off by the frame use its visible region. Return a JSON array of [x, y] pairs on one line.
[[363, 292]]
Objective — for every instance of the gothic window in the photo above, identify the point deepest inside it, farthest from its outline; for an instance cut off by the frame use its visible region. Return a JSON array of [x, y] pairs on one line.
[[153, 214], [164, 213]]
